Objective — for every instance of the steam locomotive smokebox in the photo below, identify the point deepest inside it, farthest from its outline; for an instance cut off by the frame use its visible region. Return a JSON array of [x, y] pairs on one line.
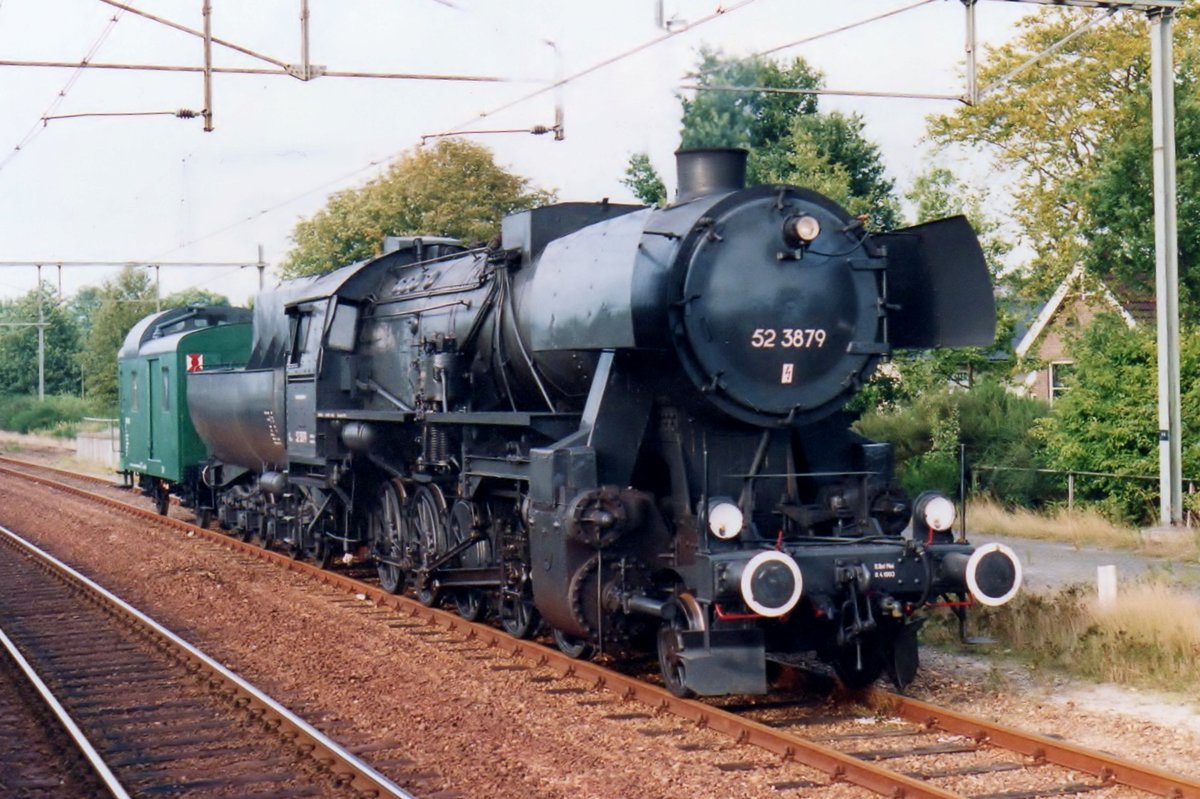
[[716, 170]]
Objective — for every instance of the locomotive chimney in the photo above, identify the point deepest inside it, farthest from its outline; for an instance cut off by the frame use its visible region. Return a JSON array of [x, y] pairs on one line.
[[713, 170]]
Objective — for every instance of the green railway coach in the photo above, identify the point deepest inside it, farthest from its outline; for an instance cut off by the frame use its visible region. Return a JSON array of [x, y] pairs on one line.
[[160, 451]]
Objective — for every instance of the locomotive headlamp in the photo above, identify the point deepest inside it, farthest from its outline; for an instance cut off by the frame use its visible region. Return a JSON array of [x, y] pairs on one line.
[[725, 519], [771, 583], [801, 230], [936, 511]]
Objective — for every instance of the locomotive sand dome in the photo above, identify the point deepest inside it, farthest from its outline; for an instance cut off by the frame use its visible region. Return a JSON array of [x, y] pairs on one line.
[[621, 422]]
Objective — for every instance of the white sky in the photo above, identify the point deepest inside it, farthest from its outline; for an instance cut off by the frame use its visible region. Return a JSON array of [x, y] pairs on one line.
[[159, 188]]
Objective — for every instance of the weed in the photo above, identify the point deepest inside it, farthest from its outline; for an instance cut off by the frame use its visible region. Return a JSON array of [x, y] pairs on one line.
[[1149, 638], [1076, 527]]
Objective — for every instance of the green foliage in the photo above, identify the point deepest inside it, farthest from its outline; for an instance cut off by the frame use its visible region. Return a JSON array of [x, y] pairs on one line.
[[19, 345], [24, 414], [454, 188], [789, 139], [761, 122], [1107, 420], [194, 296], [123, 301], [828, 152], [1047, 125], [993, 423], [644, 181], [83, 307], [1118, 204]]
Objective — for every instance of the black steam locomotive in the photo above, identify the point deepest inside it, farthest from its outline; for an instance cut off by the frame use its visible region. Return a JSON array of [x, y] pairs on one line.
[[622, 422]]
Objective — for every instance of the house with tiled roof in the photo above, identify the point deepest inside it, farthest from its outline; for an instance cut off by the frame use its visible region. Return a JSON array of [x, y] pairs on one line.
[[1044, 366]]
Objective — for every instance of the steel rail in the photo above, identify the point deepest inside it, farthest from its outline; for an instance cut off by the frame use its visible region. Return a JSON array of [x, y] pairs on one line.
[[341, 762], [111, 783], [790, 747], [1108, 767]]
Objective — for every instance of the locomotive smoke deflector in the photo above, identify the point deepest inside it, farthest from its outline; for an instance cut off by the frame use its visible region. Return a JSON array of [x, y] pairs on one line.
[[714, 170], [939, 291]]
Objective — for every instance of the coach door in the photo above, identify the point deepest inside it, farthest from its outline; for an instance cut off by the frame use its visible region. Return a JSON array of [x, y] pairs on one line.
[[150, 409]]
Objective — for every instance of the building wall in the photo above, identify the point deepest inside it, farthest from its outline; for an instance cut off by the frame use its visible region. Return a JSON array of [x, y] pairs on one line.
[[1076, 313]]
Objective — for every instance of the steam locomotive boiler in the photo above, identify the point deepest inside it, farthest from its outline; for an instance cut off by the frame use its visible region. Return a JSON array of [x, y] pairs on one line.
[[622, 422]]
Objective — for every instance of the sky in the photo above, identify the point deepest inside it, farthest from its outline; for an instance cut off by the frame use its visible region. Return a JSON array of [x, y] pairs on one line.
[[143, 188]]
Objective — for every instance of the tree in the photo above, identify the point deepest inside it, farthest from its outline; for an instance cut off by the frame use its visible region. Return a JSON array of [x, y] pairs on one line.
[[123, 301], [454, 188], [83, 307], [828, 152], [19, 345], [194, 296], [1106, 421], [644, 181], [1045, 126], [762, 122], [789, 140], [1118, 209]]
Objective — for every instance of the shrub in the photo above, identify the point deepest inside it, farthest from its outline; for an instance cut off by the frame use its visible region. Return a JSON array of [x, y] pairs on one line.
[[993, 423], [24, 413]]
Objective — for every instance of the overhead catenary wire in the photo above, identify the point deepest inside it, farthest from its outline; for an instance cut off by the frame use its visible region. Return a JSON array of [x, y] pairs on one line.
[[556, 85], [815, 37], [37, 127]]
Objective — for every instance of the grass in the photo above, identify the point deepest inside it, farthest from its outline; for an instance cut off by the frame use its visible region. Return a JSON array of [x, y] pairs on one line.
[[1150, 638], [1079, 528]]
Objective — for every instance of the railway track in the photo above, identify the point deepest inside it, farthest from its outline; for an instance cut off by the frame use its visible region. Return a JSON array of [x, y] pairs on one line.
[[156, 716], [38, 756], [907, 749]]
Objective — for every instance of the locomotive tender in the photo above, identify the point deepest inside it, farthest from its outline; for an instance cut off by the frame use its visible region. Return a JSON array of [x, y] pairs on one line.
[[621, 421]]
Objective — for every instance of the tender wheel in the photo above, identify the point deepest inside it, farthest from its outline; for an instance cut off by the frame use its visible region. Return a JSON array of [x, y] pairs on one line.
[[571, 646], [683, 615], [389, 529]]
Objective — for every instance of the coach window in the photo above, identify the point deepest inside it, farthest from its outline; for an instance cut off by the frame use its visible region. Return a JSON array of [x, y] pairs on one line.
[[166, 392], [133, 390]]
